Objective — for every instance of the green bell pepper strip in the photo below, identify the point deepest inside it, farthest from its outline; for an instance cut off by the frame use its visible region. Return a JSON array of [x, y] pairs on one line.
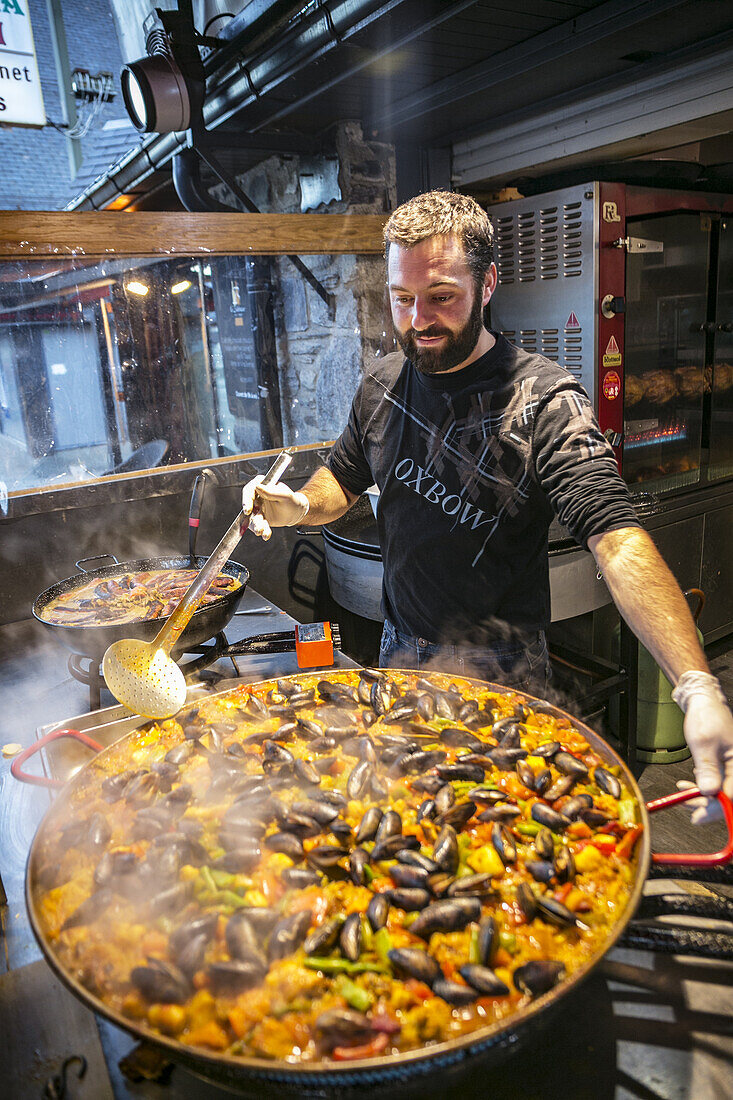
[[208, 879], [438, 724], [223, 879], [474, 955], [627, 811], [508, 941], [353, 994], [343, 966], [383, 944], [228, 897]]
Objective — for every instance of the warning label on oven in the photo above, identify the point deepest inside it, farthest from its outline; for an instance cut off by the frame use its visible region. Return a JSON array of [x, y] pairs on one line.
[[611, 385], [612, 355]]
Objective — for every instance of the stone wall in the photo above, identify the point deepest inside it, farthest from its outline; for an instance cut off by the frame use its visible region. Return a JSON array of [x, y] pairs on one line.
[[322, 357]]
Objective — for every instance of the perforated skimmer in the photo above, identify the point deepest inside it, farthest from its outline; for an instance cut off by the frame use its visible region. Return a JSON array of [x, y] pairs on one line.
[[141, 675]]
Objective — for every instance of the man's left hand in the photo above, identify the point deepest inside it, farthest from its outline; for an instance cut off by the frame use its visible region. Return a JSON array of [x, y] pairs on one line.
[[709, 733]]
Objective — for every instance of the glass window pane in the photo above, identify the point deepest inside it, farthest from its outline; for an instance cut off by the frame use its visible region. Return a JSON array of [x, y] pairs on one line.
[[721, 418], [665, 351], [126, 364]]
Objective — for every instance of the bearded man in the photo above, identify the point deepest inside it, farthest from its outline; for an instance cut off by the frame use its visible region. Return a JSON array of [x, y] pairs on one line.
[[475, 444]]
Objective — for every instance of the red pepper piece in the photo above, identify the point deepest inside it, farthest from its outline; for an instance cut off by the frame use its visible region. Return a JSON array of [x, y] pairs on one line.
[[562, 892], [366, 1050], [626, 846], [605, 844]]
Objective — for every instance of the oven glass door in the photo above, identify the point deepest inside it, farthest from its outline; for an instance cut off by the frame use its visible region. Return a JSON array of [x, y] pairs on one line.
[[721, 382], [666, 298]]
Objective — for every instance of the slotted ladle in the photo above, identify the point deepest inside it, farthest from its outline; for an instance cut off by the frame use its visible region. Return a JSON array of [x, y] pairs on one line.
[[142, 675]]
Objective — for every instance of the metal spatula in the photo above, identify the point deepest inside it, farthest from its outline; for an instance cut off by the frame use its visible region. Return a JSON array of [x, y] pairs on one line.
[[141, 675]]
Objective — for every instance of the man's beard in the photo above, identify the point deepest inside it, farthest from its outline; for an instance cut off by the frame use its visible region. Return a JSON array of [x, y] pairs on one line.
[[457, 347]]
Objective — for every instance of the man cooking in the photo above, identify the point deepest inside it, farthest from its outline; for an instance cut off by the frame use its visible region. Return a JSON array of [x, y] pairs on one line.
[[475, 445]]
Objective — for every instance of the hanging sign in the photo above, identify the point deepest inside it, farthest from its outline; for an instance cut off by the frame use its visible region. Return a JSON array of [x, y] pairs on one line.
[[612, 354], [21, 99]]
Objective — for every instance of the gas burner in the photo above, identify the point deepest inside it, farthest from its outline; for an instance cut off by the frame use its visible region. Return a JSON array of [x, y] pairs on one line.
[[88, 670]]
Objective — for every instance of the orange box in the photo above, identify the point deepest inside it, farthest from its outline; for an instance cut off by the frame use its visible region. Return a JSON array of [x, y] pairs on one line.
[[313, 645]]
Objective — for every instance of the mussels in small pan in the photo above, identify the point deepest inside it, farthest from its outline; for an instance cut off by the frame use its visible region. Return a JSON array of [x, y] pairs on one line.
[[325, 869], [130, 597]]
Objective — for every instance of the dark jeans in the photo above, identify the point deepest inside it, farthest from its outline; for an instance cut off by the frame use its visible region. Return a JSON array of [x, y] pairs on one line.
[[523, 664]]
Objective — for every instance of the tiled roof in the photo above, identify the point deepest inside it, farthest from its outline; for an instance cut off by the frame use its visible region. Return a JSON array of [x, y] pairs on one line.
[[103, 148]]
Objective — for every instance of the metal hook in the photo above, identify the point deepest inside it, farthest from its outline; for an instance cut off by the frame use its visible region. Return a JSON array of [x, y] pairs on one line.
[[55, 1088]]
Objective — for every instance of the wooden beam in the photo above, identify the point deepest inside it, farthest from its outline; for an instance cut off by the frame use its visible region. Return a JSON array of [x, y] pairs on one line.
[[37, 234]]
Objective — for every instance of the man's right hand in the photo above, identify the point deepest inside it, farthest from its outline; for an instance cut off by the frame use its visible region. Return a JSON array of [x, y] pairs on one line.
[[273, 506]]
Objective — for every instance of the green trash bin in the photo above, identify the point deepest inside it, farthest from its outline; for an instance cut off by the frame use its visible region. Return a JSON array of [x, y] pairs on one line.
[[660, 736]]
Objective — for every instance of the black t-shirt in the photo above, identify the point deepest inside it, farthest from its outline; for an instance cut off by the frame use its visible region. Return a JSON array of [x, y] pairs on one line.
[[471, 467]]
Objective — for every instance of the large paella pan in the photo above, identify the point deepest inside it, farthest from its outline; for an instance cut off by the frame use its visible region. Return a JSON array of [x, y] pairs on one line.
[[325, 881]]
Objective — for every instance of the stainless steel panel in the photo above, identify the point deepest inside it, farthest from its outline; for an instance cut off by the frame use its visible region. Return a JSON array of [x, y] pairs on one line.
[[355, 582], [546, 257], [575, 587]]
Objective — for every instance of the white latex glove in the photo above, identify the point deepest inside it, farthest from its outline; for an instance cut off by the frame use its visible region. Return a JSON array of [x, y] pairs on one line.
[[704, 810], [709, 733], [274, 506]]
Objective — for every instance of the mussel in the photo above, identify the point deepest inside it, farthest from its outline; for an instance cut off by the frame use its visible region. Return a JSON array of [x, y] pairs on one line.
[[323, 938], [369, 824], [411, 962], [241, 939], [377, 912], [455, 993], [545, 815], [607, 781], [350, 937], [538, 976], [228, 977], [411, 899], [445, 850], [568, 764], [403, 874], [288, 934], [161, 982], [359, 779], [446, 915], [504, 844], [483, 980]]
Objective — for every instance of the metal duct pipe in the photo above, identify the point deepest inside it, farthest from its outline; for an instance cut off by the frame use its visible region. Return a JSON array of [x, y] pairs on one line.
[[319, 31], [189, 185]]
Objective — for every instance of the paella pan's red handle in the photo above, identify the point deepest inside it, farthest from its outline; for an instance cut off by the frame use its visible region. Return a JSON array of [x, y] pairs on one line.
[[709, 859], [16, 768]]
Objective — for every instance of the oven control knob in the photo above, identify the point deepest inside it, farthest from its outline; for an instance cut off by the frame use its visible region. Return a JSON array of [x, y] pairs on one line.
[[611, 305]]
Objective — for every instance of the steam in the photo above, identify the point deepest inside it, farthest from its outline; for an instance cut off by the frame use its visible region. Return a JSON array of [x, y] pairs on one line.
[[467, 652]]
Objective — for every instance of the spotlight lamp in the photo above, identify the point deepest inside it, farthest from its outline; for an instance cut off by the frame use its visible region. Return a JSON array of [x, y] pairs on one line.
[[136, 287], [156, 95], [164, 92]]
